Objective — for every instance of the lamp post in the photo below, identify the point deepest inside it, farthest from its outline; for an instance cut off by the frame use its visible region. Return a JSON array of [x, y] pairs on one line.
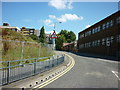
[[54, 37]]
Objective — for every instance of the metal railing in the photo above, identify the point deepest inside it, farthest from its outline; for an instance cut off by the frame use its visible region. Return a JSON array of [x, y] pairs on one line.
[[29, 67], [20, 59]]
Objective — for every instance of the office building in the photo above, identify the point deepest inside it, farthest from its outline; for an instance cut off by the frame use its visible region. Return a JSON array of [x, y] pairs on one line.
[[101, 38]]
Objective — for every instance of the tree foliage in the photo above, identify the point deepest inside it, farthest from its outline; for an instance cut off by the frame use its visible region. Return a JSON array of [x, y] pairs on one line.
[[65, 37], [69, 36], [60, 41], [42, 37], [34, 37]]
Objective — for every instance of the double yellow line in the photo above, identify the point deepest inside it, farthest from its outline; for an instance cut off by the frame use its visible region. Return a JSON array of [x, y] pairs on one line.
[[57, 76]]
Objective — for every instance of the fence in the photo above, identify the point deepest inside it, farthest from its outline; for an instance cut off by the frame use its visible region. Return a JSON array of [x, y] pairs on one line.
[[23, 59], [16, 50], [30, 67]]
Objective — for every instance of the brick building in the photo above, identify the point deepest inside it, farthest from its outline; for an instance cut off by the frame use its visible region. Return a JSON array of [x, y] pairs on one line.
[[70, 46], [101, 38]]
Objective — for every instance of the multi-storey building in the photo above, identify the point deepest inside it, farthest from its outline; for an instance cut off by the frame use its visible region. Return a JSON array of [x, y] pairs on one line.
[[48, 39], [6, 26], [27, 31], [31, 31], [37, 32], [101, 38]]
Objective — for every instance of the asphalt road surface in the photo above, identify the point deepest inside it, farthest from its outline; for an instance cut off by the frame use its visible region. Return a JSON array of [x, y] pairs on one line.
[[89, 72]]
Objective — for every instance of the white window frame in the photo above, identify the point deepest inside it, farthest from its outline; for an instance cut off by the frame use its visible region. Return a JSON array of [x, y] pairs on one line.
[[103, 41], [111, 39], [111, 23], [103, 26], [98, 28]]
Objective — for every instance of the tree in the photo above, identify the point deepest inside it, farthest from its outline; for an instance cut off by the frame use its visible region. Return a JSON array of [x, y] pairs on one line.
[[59, 41], [65, 37], [69, 35], [42, 37], [34, 37]]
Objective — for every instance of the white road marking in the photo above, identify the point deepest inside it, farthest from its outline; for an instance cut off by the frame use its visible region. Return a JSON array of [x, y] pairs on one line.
[[116, 74], [57, 76]]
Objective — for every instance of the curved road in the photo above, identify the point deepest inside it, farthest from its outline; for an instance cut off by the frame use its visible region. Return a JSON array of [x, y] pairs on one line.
[[89, 73]]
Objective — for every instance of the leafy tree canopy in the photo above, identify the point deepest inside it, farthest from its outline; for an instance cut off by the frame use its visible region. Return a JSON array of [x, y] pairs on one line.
[[65, 37], [34, 37], [42, 37], [69, 36]]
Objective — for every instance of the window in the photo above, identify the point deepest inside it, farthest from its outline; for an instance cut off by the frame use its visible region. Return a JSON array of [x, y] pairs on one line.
[[98, 42], [89, 44], [82, 35], [118, 20], [93, 31], [111, 39], [107, 41], [81, 46], [85, 34], [107, 25], [89, 32], [103, 27], [103, 41], [111, 23], [85, 45], [118, 38], [98, 28], [93, 43]]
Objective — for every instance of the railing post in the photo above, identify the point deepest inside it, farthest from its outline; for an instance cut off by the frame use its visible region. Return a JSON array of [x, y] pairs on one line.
[[35, 66], [52, 61], [49, 64], [22, 51], [63, 57], [39, 52], [57, 60], [8, 73]]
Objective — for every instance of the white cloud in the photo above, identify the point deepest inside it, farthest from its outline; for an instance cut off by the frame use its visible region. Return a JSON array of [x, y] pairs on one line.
[[61, 4], [52, 16], [70, 4], [71, 17], [87, 26], [62, 18], [47, 21], [51, 25]]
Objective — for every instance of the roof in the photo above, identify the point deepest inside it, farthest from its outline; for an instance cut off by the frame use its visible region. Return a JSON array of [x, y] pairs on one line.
[[10, 27]]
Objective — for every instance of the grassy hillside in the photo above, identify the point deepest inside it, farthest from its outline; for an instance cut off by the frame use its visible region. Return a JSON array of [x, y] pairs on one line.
[[12, 50], [12, 35]]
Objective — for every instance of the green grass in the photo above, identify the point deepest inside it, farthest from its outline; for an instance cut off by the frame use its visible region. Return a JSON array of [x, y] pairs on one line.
[[12, 50]]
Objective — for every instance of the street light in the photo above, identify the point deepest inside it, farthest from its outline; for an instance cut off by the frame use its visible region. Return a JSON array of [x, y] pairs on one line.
[[55, 24], [54, 32]]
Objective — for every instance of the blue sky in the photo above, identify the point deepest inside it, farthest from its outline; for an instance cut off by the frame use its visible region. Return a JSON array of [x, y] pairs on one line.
[[75, 16]]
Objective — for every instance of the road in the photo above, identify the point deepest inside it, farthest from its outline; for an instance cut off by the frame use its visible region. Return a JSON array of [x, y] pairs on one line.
[[88, 72]]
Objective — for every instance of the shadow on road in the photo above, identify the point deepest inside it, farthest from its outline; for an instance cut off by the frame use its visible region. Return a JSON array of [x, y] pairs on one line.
[[112, 58]]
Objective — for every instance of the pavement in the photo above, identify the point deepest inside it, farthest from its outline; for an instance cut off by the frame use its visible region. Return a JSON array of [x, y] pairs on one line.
[[31, 82]]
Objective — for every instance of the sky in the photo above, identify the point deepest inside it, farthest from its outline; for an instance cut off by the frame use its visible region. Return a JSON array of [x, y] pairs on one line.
[[75, 16]]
